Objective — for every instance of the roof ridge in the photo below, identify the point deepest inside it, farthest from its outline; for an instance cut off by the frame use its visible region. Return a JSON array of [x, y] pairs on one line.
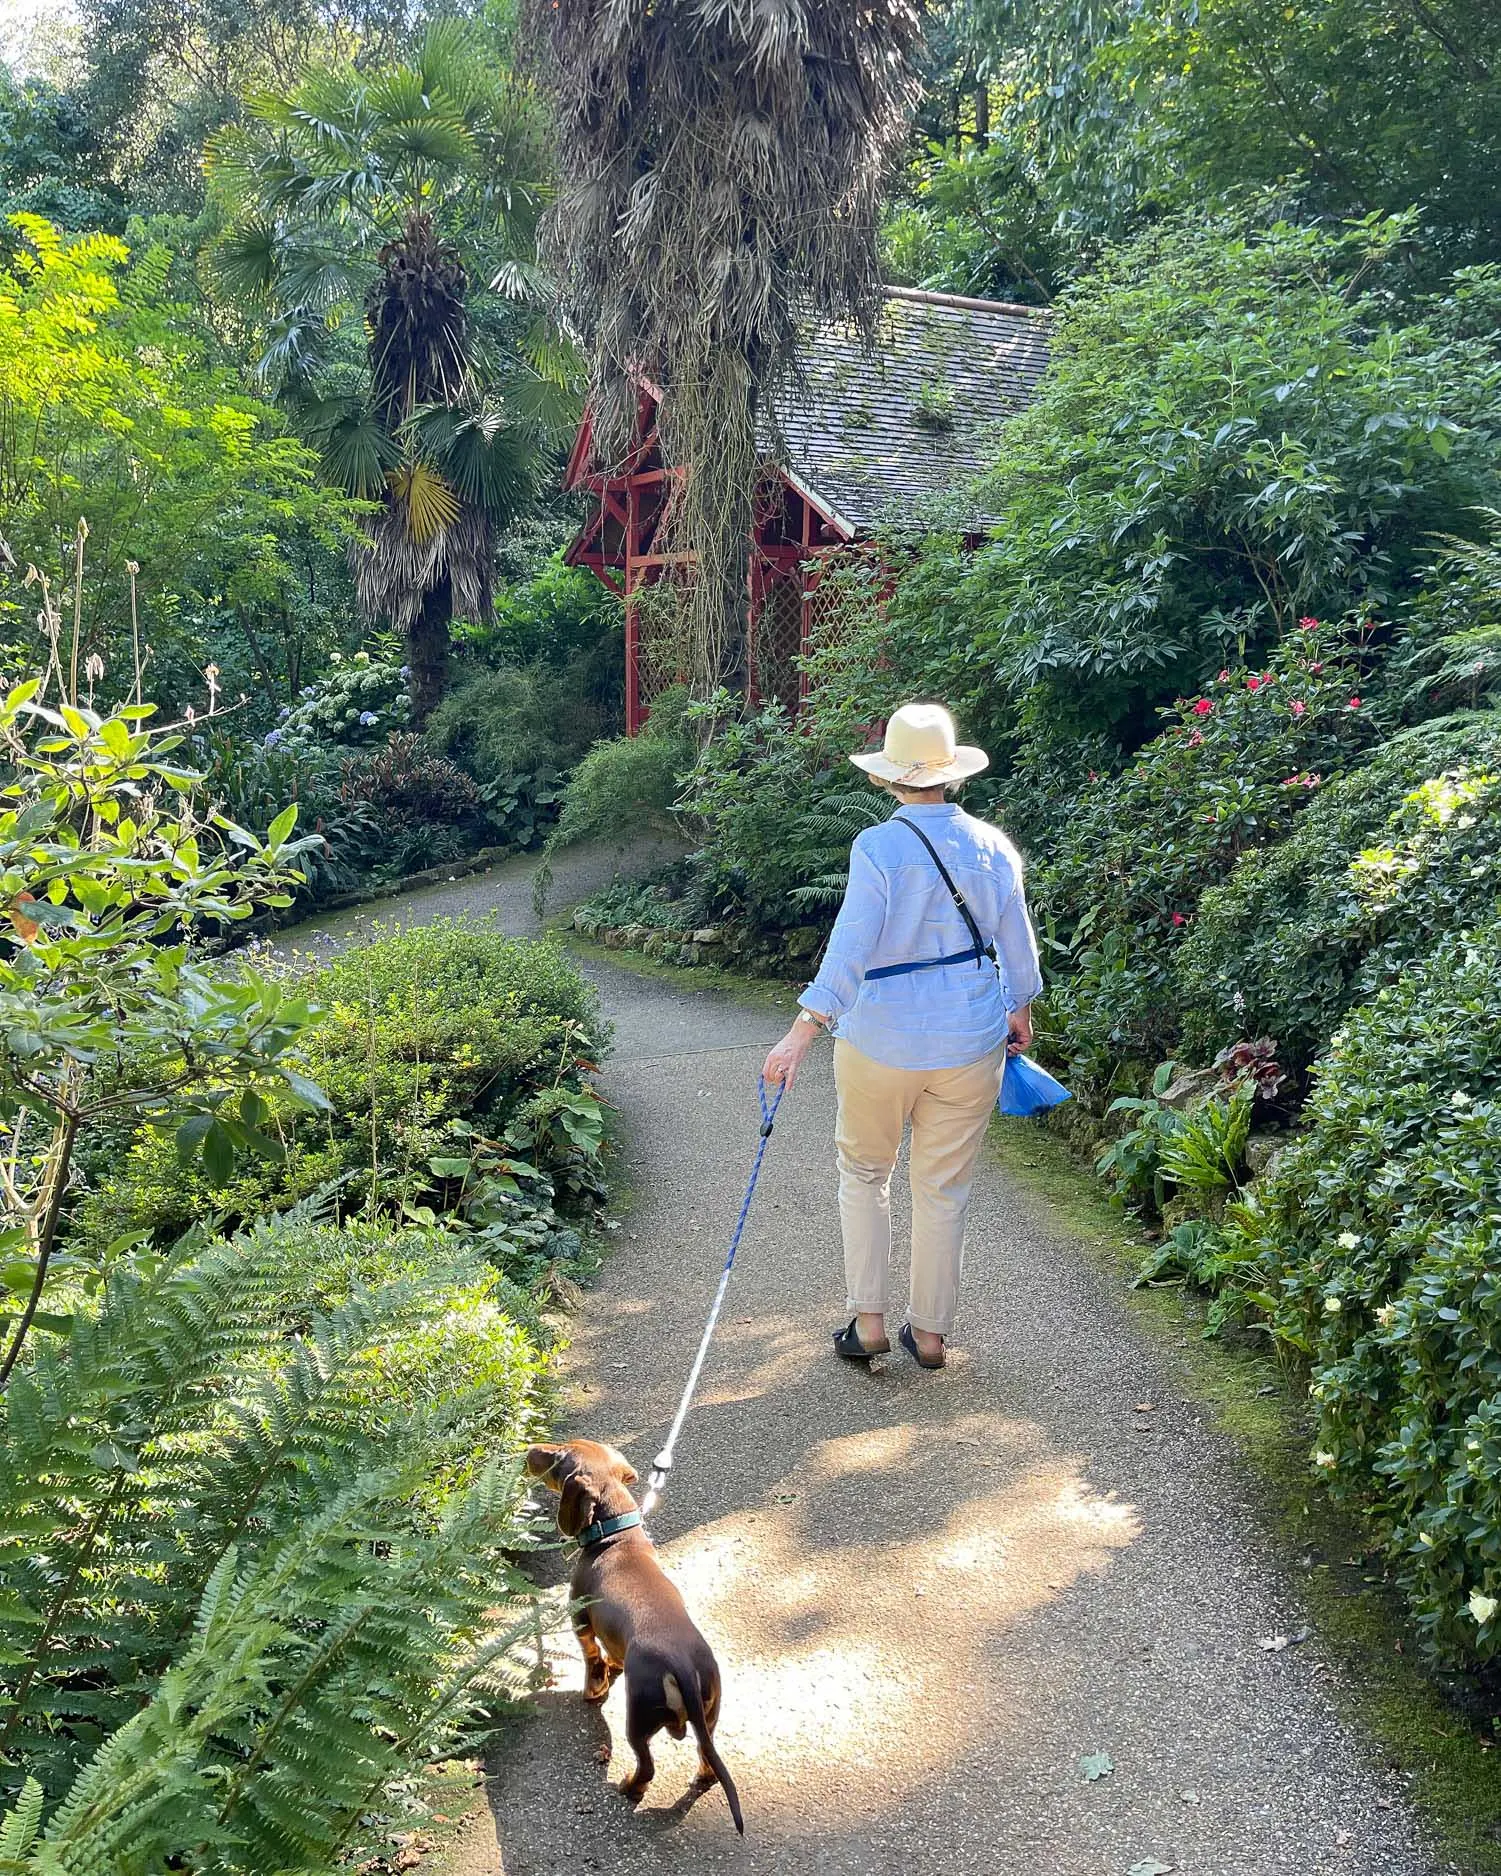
[[924, 298]]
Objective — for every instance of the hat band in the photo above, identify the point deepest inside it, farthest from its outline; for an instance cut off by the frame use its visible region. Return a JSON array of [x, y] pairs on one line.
[[914, 769]]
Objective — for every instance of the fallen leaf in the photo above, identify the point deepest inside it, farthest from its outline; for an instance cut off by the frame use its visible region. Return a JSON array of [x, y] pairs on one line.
[[1096, 1765], [602, 1755], [1190, 1797], [1274, 1644], [1151, 1867], [1145, 1407]]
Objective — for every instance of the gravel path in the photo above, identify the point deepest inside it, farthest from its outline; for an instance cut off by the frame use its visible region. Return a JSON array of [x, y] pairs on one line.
[[931, 1595]]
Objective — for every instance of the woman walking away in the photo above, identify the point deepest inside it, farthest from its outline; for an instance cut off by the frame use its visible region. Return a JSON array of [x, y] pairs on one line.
[[925, 985]]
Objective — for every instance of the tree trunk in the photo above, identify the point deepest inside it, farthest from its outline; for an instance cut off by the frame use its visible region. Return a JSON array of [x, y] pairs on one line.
[[982, 113], [427, 650]]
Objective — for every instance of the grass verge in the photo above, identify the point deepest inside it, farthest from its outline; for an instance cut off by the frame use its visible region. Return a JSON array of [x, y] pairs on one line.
[[1428, 1723]]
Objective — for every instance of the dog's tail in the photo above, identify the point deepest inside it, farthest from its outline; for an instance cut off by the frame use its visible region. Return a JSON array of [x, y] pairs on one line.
[[693, 1701]]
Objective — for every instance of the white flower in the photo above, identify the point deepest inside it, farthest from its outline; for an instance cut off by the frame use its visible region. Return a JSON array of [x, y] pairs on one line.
[[1326, 1460], [1332, 1305], [1482, 1607], [1348, 1241], [1387, 1315], [1459, 1098]]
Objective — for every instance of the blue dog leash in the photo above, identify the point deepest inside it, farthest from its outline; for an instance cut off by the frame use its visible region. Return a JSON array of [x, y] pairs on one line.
[[662, 1464]]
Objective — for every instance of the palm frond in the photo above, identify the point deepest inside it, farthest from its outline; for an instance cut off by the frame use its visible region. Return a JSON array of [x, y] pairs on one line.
[[486, 457], [430, 504]]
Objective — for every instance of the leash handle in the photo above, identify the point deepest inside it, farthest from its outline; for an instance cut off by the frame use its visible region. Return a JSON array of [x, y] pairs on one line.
[[662, 1464]]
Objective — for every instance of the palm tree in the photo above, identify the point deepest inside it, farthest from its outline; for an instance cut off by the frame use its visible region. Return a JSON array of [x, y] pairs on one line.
[[385, 223], [720, 170]]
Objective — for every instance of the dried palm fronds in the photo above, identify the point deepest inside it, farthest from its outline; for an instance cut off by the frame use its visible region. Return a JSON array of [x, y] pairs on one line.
[[720, 165]]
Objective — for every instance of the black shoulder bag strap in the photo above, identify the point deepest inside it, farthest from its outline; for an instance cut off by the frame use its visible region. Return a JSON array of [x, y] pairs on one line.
[[982, 950]]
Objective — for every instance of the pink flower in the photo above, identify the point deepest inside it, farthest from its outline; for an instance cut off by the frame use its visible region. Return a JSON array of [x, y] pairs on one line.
[[1224, 677], [1253, 683], [1203, 707], [1353, 704], [1177, 918], [1094, 775], [1196, 739], [1298, 706], [1315, 668], [1312, 781], [1308, 625]]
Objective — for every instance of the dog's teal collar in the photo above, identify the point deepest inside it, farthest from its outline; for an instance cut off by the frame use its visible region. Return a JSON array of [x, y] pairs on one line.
[[602, 1528]]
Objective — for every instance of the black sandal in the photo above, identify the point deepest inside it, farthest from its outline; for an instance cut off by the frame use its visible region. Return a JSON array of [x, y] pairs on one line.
[[849, 1347], [909, 1342]]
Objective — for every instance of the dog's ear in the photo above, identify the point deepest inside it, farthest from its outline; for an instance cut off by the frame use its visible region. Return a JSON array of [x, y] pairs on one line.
[[578, 1503], [542, 1463], [624, 1470]]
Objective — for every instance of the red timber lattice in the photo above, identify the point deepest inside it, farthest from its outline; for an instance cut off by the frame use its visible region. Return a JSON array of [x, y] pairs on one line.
[[794, 536]]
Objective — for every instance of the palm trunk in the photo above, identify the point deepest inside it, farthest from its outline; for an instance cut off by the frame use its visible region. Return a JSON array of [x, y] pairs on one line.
[[427, 652]]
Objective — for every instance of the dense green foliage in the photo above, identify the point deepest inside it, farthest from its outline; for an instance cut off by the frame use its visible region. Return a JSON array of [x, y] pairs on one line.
[[1381, 860], [267, 1577], [118, 405], [453, 1062], [1372, 1250]]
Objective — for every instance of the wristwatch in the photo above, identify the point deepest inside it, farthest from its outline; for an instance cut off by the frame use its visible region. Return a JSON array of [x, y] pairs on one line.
[[807, 1016]]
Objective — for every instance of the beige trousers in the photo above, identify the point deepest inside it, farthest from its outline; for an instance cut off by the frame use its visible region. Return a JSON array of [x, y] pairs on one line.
[[949, 1109]]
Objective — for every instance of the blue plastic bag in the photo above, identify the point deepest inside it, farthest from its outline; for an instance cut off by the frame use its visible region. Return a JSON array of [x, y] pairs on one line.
[[1028, 1089]]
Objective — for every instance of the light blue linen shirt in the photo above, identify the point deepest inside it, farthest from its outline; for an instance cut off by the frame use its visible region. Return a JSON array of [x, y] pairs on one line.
[[896, 910]]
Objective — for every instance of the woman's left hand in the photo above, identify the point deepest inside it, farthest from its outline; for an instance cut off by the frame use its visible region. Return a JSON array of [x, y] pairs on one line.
[[781, 1065]]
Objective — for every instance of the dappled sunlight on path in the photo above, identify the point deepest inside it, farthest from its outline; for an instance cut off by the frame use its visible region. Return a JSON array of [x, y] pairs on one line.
[[932, 1596]]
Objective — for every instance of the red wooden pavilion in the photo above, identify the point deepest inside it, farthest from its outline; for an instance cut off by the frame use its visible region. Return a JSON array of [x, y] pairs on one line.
[[897, 435]]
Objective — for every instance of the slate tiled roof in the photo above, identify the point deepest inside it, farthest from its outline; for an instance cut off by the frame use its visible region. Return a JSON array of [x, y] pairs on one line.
[[897, 435]]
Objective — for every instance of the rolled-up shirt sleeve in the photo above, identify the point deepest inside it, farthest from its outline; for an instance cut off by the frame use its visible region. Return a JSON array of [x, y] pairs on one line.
[[856, 930], [1016, 948]]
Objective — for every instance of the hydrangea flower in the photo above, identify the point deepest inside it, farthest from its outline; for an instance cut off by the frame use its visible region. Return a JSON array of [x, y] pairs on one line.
[[273, 737], [307, 691], [284, 712], [404, 673], [1348, 1241], [367, 717]]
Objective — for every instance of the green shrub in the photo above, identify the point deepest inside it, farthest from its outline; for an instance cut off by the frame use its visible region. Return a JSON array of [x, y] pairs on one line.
[[427, 1035], [1405, 847], [1242, 422], [1230, 772], [515, 721], [631, 784], [1372, 1249], [265, 1580]]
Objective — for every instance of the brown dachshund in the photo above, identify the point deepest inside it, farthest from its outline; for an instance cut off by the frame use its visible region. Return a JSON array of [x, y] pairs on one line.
[[629, 1615]]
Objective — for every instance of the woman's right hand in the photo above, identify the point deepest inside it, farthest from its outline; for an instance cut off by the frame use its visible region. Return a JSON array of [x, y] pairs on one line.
[[781, 1065]]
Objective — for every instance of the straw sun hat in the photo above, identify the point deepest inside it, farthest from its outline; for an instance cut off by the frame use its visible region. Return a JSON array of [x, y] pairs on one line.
[[921, 751]]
